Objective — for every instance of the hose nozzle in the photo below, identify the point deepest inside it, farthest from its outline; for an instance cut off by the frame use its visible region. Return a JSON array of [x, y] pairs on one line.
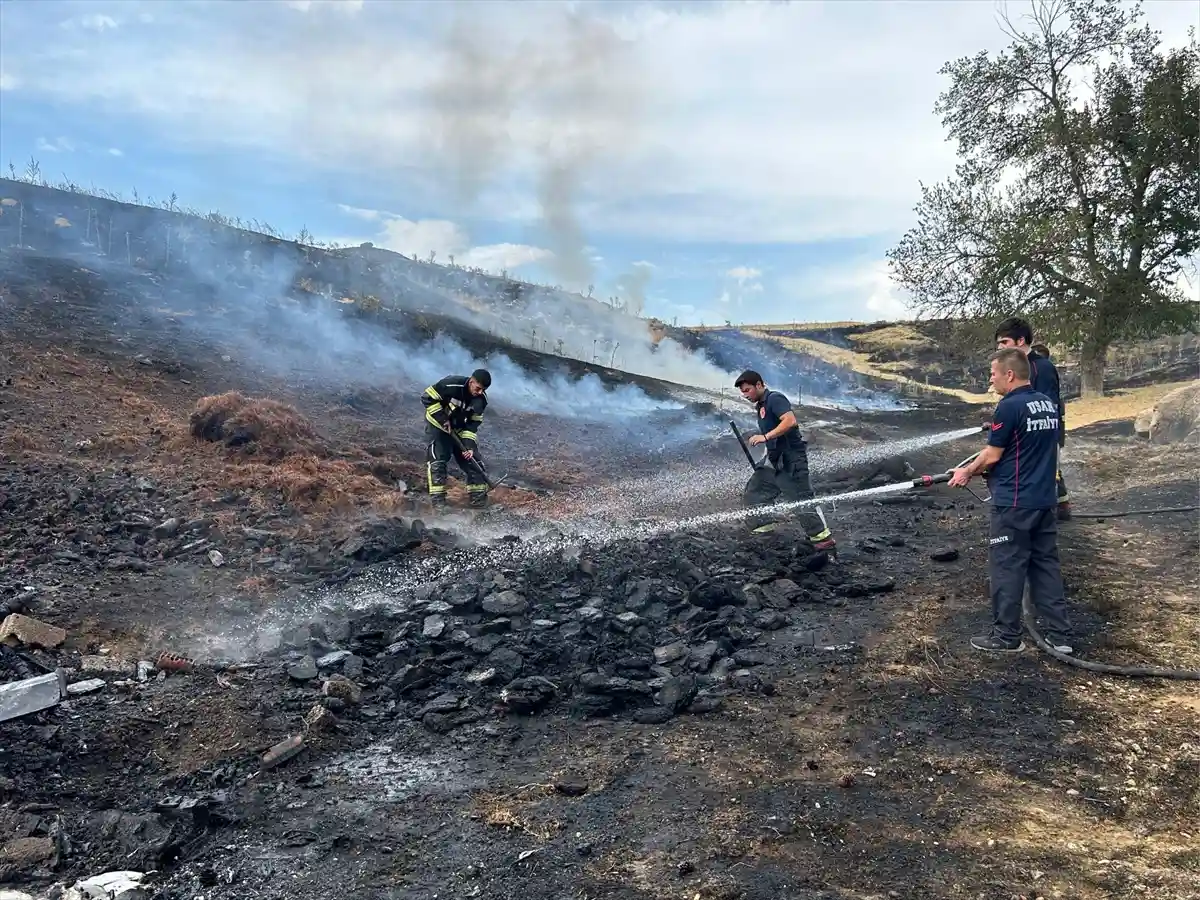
[[929, 480]]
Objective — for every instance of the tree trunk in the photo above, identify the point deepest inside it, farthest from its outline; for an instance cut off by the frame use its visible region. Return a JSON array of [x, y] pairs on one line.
[[1091, 369]]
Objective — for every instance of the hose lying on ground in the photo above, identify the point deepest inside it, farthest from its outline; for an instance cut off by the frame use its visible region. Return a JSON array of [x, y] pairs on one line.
[[1101, 668], [1133, 512]]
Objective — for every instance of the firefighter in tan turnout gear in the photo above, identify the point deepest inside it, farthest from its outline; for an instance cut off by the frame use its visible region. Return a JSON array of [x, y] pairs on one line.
[[453, 414]]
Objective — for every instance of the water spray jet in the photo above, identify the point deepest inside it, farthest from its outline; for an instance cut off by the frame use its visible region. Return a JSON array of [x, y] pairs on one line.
[[385, 588]]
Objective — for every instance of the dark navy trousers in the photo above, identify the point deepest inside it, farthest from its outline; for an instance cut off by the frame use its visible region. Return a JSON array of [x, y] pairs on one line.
[[1023, 546]]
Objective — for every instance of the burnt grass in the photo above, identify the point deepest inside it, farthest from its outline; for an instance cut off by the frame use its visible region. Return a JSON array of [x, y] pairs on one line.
[[718, 712]]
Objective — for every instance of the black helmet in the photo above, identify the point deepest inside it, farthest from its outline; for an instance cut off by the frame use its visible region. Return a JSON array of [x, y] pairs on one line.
[[484, 377]]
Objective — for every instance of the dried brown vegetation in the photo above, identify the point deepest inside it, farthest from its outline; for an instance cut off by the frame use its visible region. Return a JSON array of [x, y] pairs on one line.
[[262, 427]]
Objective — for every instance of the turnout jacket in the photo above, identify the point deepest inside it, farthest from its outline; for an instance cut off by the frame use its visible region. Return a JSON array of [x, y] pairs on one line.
[[449, 402]]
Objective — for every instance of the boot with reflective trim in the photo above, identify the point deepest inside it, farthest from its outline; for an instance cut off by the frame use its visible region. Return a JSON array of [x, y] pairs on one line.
[[820, 534]]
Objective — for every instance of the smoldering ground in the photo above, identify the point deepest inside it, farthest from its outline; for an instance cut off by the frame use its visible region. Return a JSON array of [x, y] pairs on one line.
[[273, 307], [243, 303]]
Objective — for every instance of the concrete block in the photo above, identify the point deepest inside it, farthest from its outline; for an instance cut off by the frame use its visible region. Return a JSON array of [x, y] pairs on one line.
[[20, 629], [90, 686], [20, 698], [97, 663]]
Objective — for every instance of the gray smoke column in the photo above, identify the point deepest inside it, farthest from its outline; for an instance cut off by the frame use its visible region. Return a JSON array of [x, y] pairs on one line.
[[553, 106], [564, 233], [633, 285], [472, 101]]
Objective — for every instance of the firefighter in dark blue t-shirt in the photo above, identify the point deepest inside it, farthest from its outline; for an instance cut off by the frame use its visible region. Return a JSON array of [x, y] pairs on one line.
[[786, 450], [1044, 377], [1020, 459]]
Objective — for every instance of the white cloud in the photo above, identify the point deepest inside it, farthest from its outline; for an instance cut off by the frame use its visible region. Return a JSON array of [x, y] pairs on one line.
[[344, 6], [115, 151], [371, 215], [9, 81], [95, 22], [58, 145], [498, 257], [743, 273], [418, 239], [855, 289]]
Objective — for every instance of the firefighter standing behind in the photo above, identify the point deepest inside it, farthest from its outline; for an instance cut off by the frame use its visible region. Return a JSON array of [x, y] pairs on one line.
[[455, 404], [1020, 460], [786, 450], [1043, 375]]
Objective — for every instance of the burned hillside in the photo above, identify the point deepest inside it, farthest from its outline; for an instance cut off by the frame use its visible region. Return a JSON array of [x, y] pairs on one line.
[[239, 656], [409, 297]]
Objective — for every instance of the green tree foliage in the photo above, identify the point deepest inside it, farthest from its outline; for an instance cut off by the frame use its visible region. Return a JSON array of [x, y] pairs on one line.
[[1076, 200]]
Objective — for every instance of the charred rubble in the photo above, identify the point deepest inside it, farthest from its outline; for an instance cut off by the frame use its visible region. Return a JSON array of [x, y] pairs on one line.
[[637, 630]]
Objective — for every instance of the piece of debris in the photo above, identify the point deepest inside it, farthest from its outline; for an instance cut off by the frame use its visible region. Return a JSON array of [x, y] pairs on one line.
[[572, 785], [320, 718], [433, 626], [171, 662], [946, 554], [20, 698], [329, 660], [22, 854], [90, 686], [20, 629], [97, 663], [283, 751], [109, 886], [343, 689], [505, 603], [216, 558], [304, 670], [167, 529]]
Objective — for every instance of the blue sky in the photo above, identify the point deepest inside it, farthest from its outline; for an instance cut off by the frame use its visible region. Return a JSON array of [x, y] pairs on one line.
[[747, 161]]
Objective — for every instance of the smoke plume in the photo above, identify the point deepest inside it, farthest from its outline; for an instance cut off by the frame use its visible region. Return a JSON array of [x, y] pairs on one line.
[[279, 310], [557, 102]]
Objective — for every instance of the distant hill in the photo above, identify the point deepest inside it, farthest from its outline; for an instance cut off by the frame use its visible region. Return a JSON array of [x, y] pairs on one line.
[[225, 256]]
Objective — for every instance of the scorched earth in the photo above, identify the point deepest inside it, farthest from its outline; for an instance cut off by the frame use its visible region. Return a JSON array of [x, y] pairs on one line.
[[285, 710]]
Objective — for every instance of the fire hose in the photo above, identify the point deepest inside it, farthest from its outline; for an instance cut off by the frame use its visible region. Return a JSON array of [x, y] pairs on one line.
[[1029, 614]]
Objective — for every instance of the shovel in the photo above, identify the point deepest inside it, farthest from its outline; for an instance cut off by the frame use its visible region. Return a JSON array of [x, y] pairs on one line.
[[762, 488], [476, 463]]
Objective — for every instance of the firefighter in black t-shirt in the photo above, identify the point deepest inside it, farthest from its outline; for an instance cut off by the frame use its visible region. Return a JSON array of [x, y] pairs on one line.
[[786, 450], [1043, 375], [1020, 459]]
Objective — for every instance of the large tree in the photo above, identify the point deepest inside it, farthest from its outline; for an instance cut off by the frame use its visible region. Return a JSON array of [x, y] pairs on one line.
[[1076, 200]]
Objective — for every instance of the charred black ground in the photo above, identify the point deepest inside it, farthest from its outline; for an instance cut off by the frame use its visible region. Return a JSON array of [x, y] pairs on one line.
[[716, 712]]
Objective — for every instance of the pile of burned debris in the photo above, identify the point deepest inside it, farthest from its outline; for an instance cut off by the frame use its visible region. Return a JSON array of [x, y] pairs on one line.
[[637, 629]]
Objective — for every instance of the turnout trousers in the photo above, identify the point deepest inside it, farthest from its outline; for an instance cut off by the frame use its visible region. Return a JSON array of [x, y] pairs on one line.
[[439, 449], [791, 475], [1023, 546]]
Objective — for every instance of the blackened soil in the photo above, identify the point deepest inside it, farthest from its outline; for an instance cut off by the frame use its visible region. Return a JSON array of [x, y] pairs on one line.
[[858, 750], [720, 713]]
